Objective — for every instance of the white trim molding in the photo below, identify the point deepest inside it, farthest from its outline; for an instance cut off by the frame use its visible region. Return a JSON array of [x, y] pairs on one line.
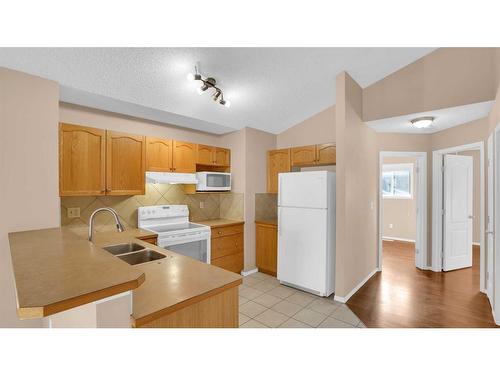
[[356, 288], [246, 273], [437, 204]]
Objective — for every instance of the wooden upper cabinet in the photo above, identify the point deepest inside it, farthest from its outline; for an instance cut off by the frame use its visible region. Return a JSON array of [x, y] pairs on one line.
[[81, 160], [205, 155], [158, 154], [184, 157], [326, 153], [278, 161], [222, 157], [305, 155], [210, 155], [126, 164]]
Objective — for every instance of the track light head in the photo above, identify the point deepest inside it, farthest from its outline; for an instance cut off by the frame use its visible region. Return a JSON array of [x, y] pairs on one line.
[[194, 77], [216, 95], [225, 103]]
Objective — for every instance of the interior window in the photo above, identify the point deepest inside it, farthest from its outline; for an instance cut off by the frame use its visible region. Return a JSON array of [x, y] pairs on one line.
[[397, 181]]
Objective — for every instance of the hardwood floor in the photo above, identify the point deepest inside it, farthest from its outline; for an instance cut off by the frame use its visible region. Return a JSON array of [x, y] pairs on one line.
[[404, 296]]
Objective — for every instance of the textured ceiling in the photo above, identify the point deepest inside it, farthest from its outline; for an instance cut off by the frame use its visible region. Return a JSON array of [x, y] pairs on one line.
[[270, 89]]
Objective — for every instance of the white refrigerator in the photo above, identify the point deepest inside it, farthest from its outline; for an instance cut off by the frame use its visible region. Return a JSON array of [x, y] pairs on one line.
[[306, 231]]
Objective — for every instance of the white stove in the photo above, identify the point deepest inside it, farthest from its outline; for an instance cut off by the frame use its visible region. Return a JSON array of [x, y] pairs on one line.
[[175, 232]]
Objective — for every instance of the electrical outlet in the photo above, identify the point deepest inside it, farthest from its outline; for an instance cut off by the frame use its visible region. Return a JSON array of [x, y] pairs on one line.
[[391, 226], [202, 204], [73, 212]]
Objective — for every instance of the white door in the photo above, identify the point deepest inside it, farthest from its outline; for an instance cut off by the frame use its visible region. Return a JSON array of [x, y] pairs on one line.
[[303, 189], [302, 247], [458, 212], [490, 234]]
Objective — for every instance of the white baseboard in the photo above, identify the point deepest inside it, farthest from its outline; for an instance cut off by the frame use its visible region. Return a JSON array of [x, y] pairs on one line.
[[426, 268], [397, 239], [356, 288], [246, 273]]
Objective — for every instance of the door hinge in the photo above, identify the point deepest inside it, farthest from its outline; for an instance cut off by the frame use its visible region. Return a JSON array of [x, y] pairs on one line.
[[443, 211], [442, 168]]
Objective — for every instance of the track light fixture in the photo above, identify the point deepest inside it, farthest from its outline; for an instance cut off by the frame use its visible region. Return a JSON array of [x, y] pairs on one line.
[[209, 83]]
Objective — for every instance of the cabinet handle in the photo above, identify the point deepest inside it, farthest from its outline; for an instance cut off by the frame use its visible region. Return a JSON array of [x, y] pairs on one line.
[[219, 232]]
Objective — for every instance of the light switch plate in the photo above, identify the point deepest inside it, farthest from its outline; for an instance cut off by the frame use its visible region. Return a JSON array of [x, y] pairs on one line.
[[202, 204], [73, 212]]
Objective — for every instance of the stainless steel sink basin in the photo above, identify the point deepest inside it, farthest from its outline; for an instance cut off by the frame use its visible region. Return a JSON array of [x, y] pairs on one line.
[[142, 256], [123, 248]]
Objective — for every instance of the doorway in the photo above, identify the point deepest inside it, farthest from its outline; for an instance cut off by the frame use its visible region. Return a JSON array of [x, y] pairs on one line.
[[457, 229], [403, 186]]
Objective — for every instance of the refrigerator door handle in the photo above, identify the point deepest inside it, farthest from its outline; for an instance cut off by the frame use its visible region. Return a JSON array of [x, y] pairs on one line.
[[279, 190], [279, 222]]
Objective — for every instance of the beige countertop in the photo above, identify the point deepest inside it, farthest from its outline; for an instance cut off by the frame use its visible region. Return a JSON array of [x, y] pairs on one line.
[[69, 269], [56, 270], [217, 223], [268, 221]]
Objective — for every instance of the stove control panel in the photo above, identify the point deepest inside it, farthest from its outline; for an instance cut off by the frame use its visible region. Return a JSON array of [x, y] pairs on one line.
[[163, 211]]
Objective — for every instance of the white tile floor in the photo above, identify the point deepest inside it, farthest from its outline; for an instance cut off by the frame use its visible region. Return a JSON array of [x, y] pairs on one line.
[[264, 303]]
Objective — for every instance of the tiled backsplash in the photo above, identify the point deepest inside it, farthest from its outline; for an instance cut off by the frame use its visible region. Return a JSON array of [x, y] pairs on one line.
[[266, 206], [215, 205]]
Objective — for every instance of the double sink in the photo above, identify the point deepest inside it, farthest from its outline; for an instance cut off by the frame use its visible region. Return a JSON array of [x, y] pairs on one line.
[[133, 253]]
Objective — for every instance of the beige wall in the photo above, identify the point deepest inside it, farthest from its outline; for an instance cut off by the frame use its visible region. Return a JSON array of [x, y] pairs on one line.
[[447, 77], [401, 213], [357, 188], [319, 128], [28, 171]]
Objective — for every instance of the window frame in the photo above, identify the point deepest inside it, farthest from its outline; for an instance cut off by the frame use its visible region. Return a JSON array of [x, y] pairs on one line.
[[401, 167]]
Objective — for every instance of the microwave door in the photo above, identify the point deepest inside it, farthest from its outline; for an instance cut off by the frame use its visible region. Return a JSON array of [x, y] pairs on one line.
[[218, 180]]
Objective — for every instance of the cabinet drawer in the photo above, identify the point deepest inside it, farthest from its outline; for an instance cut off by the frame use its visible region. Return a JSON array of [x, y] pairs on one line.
[[233, 263], [227, 231], [222, 246]]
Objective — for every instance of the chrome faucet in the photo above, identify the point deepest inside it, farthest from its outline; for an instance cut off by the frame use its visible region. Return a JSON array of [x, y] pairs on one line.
[[119, 225]]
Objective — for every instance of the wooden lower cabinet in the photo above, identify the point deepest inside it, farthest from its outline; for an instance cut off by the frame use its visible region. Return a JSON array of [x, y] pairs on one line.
[[266, 248], [227, 245], [219, 310]]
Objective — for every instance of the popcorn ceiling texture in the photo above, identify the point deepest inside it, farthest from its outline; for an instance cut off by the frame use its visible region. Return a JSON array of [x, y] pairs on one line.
[[266, 206], [215, 205]]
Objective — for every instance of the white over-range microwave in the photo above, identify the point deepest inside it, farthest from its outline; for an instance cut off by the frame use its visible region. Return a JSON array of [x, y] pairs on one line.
[[213, 181]]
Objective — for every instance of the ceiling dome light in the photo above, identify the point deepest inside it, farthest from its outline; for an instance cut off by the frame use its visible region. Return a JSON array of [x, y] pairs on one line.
[[422, 122]]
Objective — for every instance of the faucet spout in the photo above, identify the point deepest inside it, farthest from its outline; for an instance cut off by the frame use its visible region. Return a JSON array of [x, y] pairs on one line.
[[119, 226]]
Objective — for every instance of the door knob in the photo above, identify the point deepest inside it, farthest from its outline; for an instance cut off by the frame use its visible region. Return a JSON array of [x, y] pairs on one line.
[[489, 232], [471, 217]]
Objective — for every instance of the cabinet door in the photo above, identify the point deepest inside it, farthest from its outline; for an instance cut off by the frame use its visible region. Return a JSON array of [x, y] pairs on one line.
[[126, 164], [326, 153], [184, 157], [222, 157], [266, 248], [205, 154], [158, 154], [278, 161], [82, 165], [305, 155]]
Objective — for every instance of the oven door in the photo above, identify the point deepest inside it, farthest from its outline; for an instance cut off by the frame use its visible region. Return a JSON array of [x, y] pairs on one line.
[[195, 246]]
